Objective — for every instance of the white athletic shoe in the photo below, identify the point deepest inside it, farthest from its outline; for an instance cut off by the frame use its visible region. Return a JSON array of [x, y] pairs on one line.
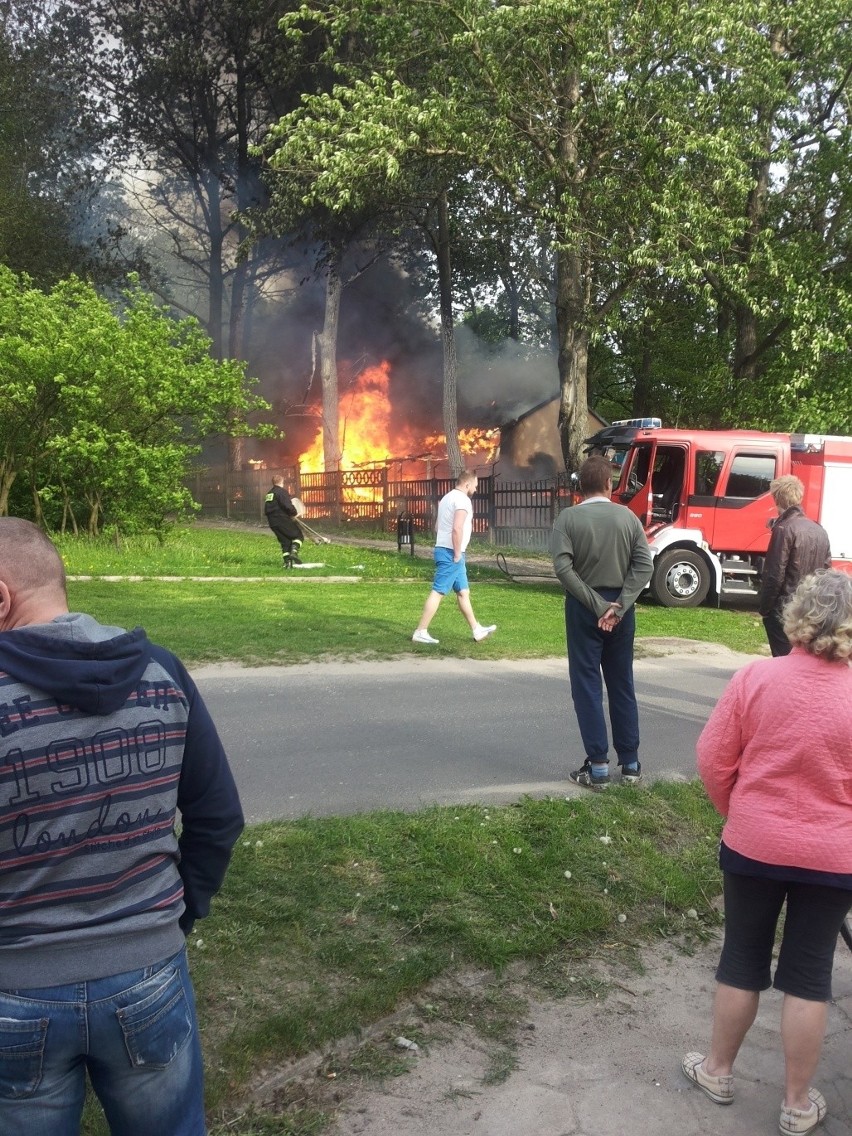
[[480, 632], [423, 637]]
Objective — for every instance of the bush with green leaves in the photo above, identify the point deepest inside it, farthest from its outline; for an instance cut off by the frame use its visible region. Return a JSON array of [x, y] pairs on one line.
[[105, 404]]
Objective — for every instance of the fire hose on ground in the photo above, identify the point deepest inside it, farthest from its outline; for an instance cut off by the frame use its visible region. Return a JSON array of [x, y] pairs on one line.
[[315, 536], [547, 574]]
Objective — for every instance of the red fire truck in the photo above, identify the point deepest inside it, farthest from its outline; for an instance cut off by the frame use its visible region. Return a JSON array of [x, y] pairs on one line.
[[703, 497]]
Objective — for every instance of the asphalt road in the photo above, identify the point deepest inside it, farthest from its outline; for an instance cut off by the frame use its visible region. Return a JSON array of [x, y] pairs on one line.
[[339, 738]]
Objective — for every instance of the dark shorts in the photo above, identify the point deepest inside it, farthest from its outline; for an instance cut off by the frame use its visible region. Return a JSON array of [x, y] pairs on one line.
[[812, 923], [449, 574]]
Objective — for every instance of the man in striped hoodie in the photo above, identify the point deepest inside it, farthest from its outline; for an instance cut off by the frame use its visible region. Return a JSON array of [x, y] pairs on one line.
[[104, 739]]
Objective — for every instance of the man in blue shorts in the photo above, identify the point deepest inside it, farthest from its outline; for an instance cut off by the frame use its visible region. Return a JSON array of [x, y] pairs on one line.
[[453, 528]]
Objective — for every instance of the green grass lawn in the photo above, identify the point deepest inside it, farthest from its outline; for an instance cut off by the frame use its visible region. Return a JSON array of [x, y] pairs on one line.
[[301, 618], [217, 551], [326, 925]]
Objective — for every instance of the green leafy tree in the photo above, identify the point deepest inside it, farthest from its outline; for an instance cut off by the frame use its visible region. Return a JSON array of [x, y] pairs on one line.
[[662, 356], [776, 78], [350, 238], [107, 404], [505, 271], [639, 139], [194, 86], [345, 250], [54, 146], [31, 353], [556, 104]]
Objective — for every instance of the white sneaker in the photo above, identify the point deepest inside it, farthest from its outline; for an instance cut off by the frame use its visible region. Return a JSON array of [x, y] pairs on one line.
[[795, 1121], [480, 632], [423, 637]]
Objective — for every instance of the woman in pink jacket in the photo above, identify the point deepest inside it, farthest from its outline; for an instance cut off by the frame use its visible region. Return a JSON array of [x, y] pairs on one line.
[[776, 760]]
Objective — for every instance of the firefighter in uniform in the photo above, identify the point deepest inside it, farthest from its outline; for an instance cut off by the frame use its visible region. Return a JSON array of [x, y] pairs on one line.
[[281, 515]]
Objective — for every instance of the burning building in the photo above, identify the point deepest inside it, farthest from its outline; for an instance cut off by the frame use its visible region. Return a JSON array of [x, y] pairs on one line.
[[373, 434]]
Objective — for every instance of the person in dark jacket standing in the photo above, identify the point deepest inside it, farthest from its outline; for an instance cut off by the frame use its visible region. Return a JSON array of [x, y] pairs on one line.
[[603, 562], [798, 546], [104, 739], [281, 515]]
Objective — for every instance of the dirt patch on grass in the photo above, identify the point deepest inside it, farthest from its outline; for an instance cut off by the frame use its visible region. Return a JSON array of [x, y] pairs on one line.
[[499, 1058], [471, 1033], [661, 646]]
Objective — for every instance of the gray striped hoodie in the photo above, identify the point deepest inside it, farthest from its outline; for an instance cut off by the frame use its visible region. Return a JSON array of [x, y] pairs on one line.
[[104, 739]]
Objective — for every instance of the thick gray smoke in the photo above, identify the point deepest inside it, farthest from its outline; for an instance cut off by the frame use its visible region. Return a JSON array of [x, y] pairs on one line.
[[382, 318], [497, 385]]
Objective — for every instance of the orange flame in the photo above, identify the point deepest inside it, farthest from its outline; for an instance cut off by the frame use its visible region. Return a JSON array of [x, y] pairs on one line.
[[481, 444], [365, 431]]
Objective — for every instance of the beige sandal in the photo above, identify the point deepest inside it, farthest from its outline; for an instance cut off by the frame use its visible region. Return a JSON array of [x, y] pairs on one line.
[[720, 1090]]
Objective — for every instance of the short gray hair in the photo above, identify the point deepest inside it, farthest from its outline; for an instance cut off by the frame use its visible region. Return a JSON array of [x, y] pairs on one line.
[[818, 615], [29, 561], [787, 490]]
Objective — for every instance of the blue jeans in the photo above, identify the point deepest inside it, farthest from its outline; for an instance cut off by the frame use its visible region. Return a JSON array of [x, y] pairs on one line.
[[137, 1036], [592, 652]]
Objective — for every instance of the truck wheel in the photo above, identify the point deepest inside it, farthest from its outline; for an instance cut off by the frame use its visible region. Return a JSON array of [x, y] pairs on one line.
[[681, 578]]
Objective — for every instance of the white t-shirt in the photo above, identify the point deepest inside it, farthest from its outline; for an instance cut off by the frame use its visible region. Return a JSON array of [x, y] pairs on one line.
[[447, 508]]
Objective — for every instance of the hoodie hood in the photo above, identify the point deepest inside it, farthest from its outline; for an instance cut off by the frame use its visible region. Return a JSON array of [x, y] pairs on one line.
[[77, 661]]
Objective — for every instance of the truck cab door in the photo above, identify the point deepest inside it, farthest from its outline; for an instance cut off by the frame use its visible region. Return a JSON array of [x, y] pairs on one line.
[[668, 483], [634, 484], [702, 500], [743, 504], [652, 482]]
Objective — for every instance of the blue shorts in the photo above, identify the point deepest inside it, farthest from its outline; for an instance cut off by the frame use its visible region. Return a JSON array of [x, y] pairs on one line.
[[449, 573]]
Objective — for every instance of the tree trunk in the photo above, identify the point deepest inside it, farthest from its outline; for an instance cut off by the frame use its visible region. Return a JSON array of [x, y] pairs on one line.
[[448, 339], [513, 299], [573, 358], [236, 346], [745, 345], [38, 511], [241, 280], [327, 343], [7, 480], [93, 526], [216, 295], [745, 318], [747, 334], [642, 386], [68, 512], [216, 290], [572, 302]]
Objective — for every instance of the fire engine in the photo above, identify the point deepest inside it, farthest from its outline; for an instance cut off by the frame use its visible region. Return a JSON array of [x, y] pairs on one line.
[[703, 498]]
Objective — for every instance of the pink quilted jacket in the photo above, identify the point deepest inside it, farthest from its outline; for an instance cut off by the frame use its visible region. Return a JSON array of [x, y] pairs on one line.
[[776, 760]]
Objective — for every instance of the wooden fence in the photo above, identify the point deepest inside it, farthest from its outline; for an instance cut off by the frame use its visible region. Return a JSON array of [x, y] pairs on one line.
[[517, 514]]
